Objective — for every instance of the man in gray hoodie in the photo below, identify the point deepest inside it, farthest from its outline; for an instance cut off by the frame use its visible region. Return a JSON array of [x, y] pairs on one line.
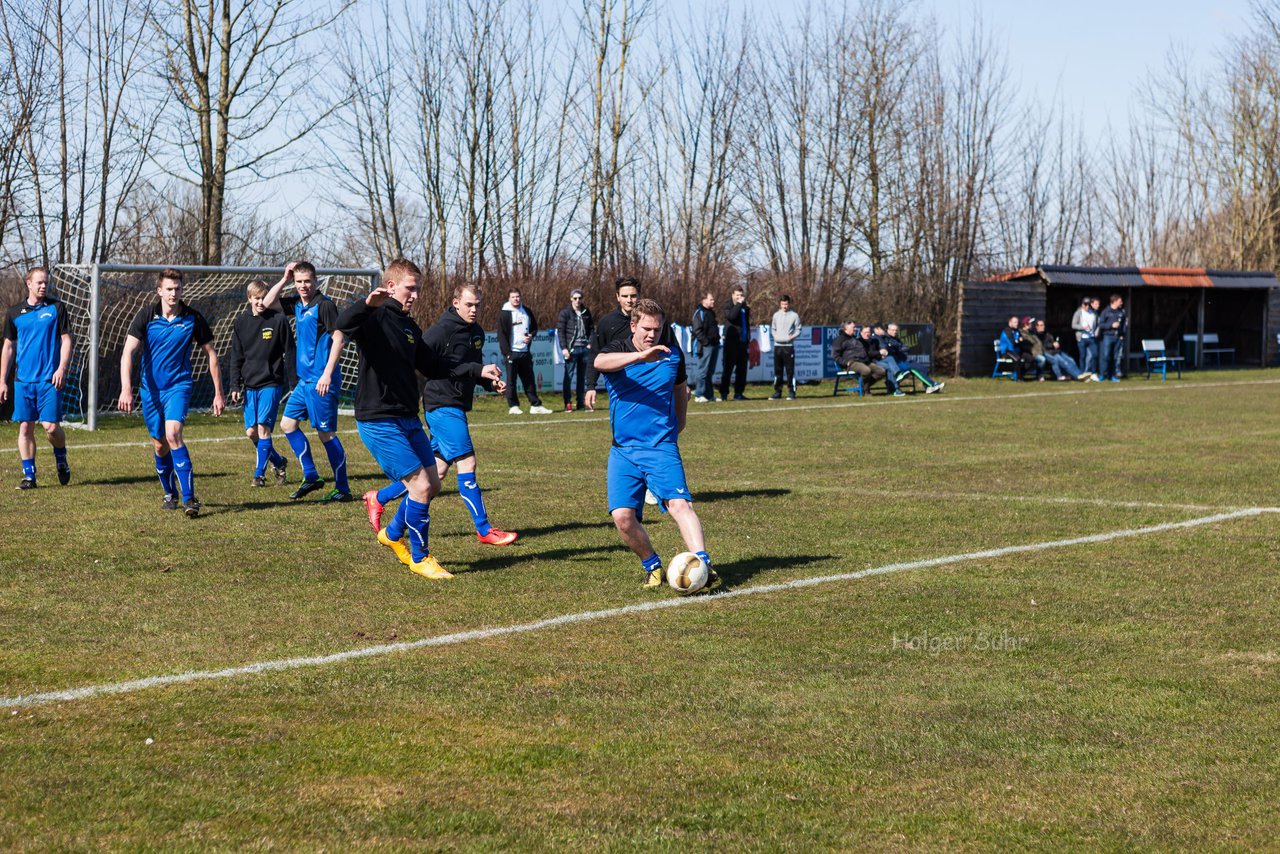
[[784, 329]]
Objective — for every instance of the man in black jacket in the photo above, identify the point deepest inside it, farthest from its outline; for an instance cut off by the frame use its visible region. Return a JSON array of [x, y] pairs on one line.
[[1113, 328], [575, 327], [614, 325], [392, 352], [260, 339], [456, 339], [706, 337], [516, 330], [851, 352], [737, 338]]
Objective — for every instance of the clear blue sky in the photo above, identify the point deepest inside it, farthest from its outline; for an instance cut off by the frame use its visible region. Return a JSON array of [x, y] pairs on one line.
[[1094, 54]]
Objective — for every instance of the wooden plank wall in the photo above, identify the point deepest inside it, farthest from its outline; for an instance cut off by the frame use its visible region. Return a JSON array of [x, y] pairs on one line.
[[985, 308]]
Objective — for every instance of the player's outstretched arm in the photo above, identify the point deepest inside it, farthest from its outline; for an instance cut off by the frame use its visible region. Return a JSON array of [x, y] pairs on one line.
[[6, 356], [216, 375], [609, 362], [131, 344], [272, 299]]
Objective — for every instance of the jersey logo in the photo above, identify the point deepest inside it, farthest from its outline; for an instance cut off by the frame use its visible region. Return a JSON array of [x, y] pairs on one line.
[[48, 315], [266, 334], [477, 342], [408, 335]]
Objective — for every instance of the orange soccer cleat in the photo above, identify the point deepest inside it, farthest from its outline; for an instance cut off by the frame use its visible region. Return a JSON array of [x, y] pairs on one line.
[[374, 507], [498, 538]]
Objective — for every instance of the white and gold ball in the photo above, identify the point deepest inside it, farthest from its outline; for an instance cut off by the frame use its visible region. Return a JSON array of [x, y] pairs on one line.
[[686, 573]]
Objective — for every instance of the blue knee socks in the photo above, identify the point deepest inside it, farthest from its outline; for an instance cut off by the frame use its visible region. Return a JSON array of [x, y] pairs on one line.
[[338, 461], [29, 469], [302, 450], [264, 453], [164, 471], [417, 521], [395, 528], [470, 493], [182, 469], [391, 492]]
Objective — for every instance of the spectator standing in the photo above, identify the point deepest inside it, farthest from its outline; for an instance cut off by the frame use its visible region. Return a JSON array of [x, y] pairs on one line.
[[575, 327], [1113, 326], [849, 351], [516, 328], [785, 329], [1085, 324], [737, 338], [706, 337]]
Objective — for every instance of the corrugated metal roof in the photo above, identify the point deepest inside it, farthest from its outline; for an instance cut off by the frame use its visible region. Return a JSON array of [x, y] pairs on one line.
[[1137, 277]]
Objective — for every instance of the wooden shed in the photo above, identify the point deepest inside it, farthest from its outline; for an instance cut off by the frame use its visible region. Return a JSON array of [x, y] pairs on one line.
[[1241, 307]]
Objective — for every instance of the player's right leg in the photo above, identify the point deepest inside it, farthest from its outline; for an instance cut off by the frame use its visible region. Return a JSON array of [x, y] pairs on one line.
[[27, 451], [625, 488], [295, 409], [153, 417], [401, 448]]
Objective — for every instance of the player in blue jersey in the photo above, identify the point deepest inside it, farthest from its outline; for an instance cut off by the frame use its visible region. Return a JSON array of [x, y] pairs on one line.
[[315, 397], [648, 401], [164, 334], [38, 333]]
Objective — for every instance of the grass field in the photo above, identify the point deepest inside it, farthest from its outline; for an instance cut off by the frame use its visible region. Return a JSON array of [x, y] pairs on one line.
[[1117, 693]]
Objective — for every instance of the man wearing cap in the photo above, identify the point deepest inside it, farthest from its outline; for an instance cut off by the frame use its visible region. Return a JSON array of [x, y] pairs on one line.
[[575, 327], [1085, 323]]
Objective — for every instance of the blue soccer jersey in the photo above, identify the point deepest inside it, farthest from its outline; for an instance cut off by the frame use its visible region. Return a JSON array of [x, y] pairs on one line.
[[166, 344], [314, 326], [36, 332], [642, 408]]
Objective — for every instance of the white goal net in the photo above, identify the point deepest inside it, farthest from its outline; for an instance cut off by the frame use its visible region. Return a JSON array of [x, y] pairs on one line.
[[102, 300]]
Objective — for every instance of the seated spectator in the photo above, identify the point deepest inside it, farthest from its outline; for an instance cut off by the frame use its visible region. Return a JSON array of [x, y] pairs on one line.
[[1009, 344], [1064, 367], [899, 355], [1031, 347], [870, 337], [849, 351]]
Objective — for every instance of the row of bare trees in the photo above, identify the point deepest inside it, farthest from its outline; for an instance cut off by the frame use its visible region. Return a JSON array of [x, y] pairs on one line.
[[857, 158]]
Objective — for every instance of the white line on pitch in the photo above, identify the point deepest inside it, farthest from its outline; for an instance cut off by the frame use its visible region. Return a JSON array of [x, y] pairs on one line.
[[45, 697], [699, 411]]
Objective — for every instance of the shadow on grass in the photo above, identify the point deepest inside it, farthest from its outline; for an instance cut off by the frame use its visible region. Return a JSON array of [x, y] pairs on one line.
[[530, 533], [740, 571], [126, 479], [508, 559], [730, 494]]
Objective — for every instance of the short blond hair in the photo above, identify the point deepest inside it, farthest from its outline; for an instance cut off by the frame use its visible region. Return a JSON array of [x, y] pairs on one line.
[[257, 288], [399, 269], [646, 308]]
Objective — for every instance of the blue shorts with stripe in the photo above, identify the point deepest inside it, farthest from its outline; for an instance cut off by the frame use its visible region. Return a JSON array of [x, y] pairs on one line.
[[450, 435], [631, 470], [307, 404], [37, 402], [399, 445], [261, 405], [164, 404]]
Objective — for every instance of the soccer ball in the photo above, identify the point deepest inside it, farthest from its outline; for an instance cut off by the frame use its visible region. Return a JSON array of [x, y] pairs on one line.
[[686, 573]]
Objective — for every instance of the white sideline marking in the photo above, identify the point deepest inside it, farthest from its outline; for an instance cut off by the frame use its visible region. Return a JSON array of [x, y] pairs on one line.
[[774, 408], [132, 686]]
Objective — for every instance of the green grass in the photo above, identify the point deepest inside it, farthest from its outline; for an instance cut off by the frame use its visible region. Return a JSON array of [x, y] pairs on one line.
[[1128, 701]]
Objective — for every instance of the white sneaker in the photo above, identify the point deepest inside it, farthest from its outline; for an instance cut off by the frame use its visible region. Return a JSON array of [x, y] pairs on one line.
[[649, 497], [539, 410], [515, 410], [699, 399]]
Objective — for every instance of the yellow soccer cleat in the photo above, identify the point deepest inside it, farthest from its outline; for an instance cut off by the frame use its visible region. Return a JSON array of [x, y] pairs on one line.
[[654, 577], [429, 567], [397, 546]]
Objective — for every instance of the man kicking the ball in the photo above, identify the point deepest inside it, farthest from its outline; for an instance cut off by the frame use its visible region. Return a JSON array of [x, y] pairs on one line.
[[648, 401], [392, 353], [456, 339]]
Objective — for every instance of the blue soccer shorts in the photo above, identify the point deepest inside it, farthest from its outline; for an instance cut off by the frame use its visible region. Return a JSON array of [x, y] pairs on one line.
[[164, 404], [306, 404], [37, 402], [450, 436], [631, 470], [261, 406], [399, 445]]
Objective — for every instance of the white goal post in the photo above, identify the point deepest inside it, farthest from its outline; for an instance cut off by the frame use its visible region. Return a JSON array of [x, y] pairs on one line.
[[102, 299]]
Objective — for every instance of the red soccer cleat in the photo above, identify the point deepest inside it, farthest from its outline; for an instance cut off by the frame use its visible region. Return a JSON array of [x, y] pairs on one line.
[[498, 538], [374, 506]]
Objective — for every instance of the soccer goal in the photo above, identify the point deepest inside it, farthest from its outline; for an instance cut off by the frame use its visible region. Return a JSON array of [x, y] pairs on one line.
[[102, 299]]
